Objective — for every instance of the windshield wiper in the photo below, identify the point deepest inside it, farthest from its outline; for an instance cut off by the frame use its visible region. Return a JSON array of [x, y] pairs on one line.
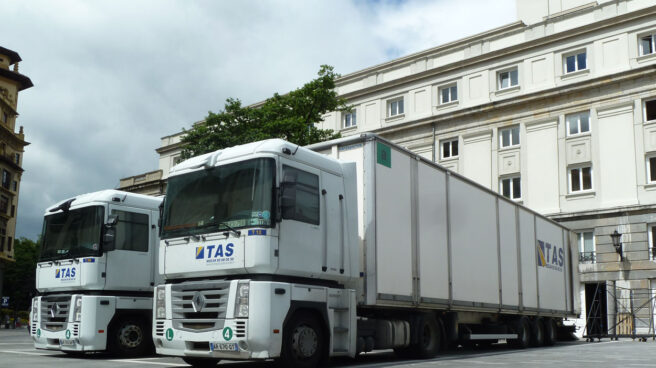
[[219, 224]]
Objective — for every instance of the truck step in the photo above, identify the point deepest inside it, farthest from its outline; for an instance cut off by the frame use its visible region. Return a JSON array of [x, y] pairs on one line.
[[340, 329], [340, 309], [341, 351]]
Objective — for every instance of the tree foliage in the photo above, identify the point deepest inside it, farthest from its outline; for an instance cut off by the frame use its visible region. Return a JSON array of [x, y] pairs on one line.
[[291, 117], [20, 276]]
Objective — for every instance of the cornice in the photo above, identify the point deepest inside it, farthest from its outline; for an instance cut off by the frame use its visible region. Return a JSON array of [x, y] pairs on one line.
[[483, 58]]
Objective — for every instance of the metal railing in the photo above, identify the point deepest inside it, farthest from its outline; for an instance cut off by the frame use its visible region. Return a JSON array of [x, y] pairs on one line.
[[587, 257]]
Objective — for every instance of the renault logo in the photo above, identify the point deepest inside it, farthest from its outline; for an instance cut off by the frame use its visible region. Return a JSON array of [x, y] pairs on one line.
[[54, 310], [198, 301]]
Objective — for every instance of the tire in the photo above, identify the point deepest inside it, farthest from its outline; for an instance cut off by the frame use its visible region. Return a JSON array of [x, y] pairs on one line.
[[302, 341], [201, 362], [429, 339], [550, 332], [537, 332], [130, 337], [523, 330]]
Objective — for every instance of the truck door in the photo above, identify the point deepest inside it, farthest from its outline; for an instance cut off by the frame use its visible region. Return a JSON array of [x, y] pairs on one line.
[[300, 239], [129, 265]]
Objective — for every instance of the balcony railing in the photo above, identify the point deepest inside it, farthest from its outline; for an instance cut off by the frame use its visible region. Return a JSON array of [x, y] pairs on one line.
[[587, 257]]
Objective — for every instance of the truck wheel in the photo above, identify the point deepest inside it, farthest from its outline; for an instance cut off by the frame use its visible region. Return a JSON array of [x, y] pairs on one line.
[[201, 362], [523, 331], [303, 341], [537, 332], [129, 337], [550, 333], [429, 336]]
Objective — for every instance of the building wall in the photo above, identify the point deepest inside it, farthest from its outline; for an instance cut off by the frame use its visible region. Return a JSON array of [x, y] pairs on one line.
[[12, 145], [613, 90]]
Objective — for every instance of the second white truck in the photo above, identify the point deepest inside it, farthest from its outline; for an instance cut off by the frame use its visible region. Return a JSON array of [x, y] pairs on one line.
[[96, 274], [271, 250]]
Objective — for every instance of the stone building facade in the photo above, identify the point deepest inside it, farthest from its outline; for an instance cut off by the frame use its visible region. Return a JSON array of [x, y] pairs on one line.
[[12, 145], [154, 182], [556, 111]]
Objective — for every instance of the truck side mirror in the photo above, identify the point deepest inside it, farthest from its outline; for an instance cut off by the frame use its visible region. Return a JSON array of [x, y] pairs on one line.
[[112, 220], [109, 239], [109, 235]]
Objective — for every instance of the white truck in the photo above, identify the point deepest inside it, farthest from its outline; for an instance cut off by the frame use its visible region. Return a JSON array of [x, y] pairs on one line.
[[96, 274], [271, 250]]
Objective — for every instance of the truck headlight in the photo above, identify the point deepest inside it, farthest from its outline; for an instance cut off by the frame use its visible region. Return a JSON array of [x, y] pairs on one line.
[[77, 308], [160, 302], [241, 304], [35, 309]]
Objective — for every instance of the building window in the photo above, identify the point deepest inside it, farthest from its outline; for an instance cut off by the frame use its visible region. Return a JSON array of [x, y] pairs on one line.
[[13, 210], [448, 93], [511, 188], [17, 158], [15, 187], [509, 136], [6, 179], [578, 123], [580, 179], [177, 160], [5, 117], [652, 238], [650, 110], [450, 148], [586, 247], [350, 119], [647, 45], [4, 204], [395, 107], [507, 78], [9, 243], [575, 62], [651, 170]]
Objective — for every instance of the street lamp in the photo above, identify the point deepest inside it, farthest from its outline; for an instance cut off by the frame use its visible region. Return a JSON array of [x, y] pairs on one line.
[[617, 243]]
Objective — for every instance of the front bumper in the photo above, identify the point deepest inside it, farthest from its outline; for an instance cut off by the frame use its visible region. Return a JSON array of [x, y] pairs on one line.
[[177, 342], [68, 339]]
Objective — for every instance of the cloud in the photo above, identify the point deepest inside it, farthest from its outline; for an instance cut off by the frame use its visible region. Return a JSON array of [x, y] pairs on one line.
[[113, 76]]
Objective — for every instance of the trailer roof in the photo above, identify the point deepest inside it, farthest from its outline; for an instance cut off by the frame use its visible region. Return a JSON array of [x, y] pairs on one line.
[[372, 136]]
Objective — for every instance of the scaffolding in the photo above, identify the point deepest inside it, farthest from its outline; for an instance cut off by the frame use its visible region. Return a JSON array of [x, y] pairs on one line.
[[630, 313]]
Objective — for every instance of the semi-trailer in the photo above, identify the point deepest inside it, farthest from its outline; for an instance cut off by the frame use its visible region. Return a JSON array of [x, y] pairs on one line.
[[96, 273], [271, 250]]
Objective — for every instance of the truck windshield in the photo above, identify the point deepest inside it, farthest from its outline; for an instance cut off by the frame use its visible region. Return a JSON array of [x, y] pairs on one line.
[[235, 195], [74, 233]]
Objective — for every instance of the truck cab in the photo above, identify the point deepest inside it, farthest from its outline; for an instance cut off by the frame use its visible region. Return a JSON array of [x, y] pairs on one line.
[[96, 273], [264, 226]]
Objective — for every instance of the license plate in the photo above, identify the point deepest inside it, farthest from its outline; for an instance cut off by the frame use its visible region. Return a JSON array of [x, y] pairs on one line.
[[224, 346], [66, 342]]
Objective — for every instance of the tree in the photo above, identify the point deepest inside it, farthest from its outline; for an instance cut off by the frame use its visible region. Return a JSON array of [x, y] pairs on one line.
[[20, 275], [291, 117]]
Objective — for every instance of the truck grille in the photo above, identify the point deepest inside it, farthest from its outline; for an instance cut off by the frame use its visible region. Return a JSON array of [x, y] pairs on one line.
[[54, 312], [198, 305]]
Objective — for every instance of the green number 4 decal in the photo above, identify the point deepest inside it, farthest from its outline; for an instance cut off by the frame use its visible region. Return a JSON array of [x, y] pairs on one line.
[[227, 333]]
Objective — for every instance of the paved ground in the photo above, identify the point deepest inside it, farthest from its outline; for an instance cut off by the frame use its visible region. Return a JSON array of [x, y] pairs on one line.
[[16, 350]]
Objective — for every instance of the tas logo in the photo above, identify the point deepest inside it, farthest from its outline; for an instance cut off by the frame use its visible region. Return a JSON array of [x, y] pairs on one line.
[[550, 256]]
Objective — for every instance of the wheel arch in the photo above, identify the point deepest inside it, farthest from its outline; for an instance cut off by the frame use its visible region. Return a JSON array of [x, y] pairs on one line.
[[320, 310]]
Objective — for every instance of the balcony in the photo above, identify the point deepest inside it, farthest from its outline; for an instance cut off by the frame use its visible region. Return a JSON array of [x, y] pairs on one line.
[[587, 257]]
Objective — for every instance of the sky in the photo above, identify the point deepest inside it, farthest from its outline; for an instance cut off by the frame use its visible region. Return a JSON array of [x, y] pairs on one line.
[[111, 77]]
